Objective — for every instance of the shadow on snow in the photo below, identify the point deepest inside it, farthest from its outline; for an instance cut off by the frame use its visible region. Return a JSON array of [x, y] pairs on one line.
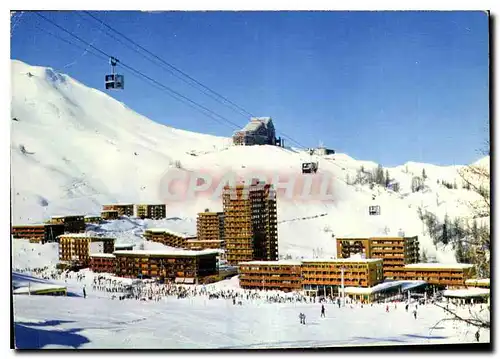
[[27, 337]]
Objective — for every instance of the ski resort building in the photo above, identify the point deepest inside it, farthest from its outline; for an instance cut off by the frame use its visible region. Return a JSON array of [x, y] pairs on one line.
[[326, 274], [451, 276], [93, 219], [180, 266], [167, 237], [102, 262], [196, 244], [282, 275], [38, 233], [478, 283], [152, 211], [109, 215], [77, 247], [72, 224], [259, 131], [124, 209], [250, 223], [210, 226], [396, 252]]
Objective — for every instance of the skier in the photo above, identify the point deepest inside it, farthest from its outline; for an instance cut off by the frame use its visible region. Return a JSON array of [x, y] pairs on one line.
[[406, 307], [84, 293], [338, 302], [387, 308], [322, 310], [415, 314], [304, 319], [477, 335]]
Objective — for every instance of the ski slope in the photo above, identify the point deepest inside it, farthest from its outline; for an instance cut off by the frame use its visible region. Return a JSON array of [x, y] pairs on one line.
[[74, 148], [199, 323]]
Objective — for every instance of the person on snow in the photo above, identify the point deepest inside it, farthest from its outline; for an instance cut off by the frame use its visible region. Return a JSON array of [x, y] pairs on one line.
[[322, 310], [406, 307], [387, 308], [302, 319], [338, 302], [84, 293], [477, 335], [415, 314]]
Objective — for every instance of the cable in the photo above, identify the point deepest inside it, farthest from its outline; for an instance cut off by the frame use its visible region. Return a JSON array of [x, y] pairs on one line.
[[165, 67], [140, 73], [178, 70], [170, 91], [170, 65]]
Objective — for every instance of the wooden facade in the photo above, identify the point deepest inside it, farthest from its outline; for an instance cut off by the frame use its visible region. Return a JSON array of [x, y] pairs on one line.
[[38, 233], [250, 223], [446, 275], [168, 237], [328, 272], [76, 248], [72, 224], [274, 275], [109, 215], [123, 209], [210, 226], [196, 244], [102, 262], [166, 264], [396, 252], [152, 211]]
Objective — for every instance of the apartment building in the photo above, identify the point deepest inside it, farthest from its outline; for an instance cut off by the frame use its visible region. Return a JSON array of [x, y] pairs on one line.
[[77, 247], [151, 211], [282, 275], [250, 223], [38, 233], [124, 209]]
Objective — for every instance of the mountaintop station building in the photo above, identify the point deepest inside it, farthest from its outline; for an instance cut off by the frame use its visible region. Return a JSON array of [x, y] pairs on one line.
[[259, 131]]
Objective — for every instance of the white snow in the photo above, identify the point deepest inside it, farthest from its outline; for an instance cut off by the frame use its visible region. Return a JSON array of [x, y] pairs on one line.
[[466, 293], [383, 286], [65, 128], [74, 149], [197, 323]]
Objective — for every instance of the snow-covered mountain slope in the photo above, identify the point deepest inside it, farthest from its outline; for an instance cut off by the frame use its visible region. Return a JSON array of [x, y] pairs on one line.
[[75, 148]]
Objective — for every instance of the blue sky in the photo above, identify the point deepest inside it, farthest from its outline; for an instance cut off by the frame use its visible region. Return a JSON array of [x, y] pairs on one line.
[[389, 87]]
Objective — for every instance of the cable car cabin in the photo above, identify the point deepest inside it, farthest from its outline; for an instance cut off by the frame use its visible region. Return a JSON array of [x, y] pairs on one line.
[[114, 82], [374, 210], [310, 167]]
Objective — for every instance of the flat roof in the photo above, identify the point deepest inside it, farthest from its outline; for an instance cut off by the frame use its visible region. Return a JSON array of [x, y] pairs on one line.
[[109, 210], [122, 245], [342, 260], [439, 266], [478, 281], [104, 255], [167, 252], [384, 286], [119, 204], [150, 204], [92, 215], [466, 293], [272, 263], [35, 287], [85, 235]]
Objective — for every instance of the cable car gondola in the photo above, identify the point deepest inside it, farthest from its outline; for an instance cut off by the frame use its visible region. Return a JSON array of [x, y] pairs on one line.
[[114, 81], [310, 167]]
